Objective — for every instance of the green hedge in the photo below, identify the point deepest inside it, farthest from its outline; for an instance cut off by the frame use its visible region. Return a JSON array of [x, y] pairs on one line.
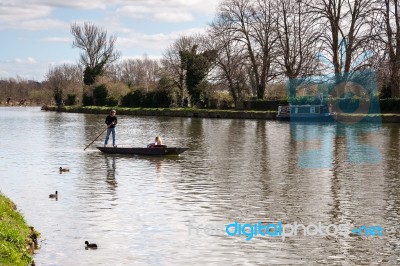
[[390, 105], [151, 99], [100, 97], [348, 105], [71, 99]]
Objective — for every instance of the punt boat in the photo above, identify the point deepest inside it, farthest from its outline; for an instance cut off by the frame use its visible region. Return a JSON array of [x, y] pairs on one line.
[[159, 150]]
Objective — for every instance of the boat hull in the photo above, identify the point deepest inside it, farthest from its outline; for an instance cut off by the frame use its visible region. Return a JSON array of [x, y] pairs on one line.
[[305, 113], [156, 151]]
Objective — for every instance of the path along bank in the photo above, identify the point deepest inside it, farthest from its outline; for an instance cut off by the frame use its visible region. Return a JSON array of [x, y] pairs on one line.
[[18, 240], [209, 113]]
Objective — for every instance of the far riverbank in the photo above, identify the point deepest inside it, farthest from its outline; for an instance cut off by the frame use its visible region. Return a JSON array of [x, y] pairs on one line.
[[210, 113]]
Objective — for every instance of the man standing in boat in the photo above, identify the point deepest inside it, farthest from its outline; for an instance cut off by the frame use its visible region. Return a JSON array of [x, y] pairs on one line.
[[111, 121]]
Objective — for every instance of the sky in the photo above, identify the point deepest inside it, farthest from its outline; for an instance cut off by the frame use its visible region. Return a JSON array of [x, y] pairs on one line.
[[35, 34]]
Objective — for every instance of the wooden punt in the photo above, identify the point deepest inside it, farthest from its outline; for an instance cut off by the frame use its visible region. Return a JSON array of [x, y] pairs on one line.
[[160, 151]]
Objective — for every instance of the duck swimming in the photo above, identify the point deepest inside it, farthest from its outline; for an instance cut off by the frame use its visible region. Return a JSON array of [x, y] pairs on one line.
[[64, 169], [94, 246], [54, 195]]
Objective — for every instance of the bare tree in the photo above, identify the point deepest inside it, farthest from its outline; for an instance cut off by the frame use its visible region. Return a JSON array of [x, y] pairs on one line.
[[22, 91], [298, 37], [252, 23], [64, 79], [346, 31], [231, 64], [127, 71], [147, 72], [141, 72], [114, 72], [98, 52], [389, 25]]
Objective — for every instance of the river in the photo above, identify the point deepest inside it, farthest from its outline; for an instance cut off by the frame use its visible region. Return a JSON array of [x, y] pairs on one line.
[[174, 210]]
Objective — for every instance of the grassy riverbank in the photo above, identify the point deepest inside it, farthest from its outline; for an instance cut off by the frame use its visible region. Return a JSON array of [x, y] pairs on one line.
[[16, 244], [176, 112], [210, 113]]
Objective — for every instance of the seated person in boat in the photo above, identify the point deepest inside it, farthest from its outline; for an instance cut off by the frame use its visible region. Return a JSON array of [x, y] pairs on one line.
[[157, 143]]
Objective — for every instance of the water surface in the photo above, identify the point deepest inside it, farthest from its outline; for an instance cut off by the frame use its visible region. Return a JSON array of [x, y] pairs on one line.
[[145, 210]]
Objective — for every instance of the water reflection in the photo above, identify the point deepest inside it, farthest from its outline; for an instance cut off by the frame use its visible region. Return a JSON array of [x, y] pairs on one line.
[[158, 165], [319, 142], [111, 167]]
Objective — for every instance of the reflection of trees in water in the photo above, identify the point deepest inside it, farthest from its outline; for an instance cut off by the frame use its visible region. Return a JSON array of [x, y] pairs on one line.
[[193, 130], [93, 126], [110, 166], [392, 184], [262, 140], [355, 179]]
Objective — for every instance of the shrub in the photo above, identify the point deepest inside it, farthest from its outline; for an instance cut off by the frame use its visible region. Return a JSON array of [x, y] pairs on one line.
[[390, 105], [111, 101], [220, 100], [386, 92], [266, 105], [132, 99], [151, 99], [71, 99], [304, 100], [349, 105], [100, 94], [160, 98], [87, 100]]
